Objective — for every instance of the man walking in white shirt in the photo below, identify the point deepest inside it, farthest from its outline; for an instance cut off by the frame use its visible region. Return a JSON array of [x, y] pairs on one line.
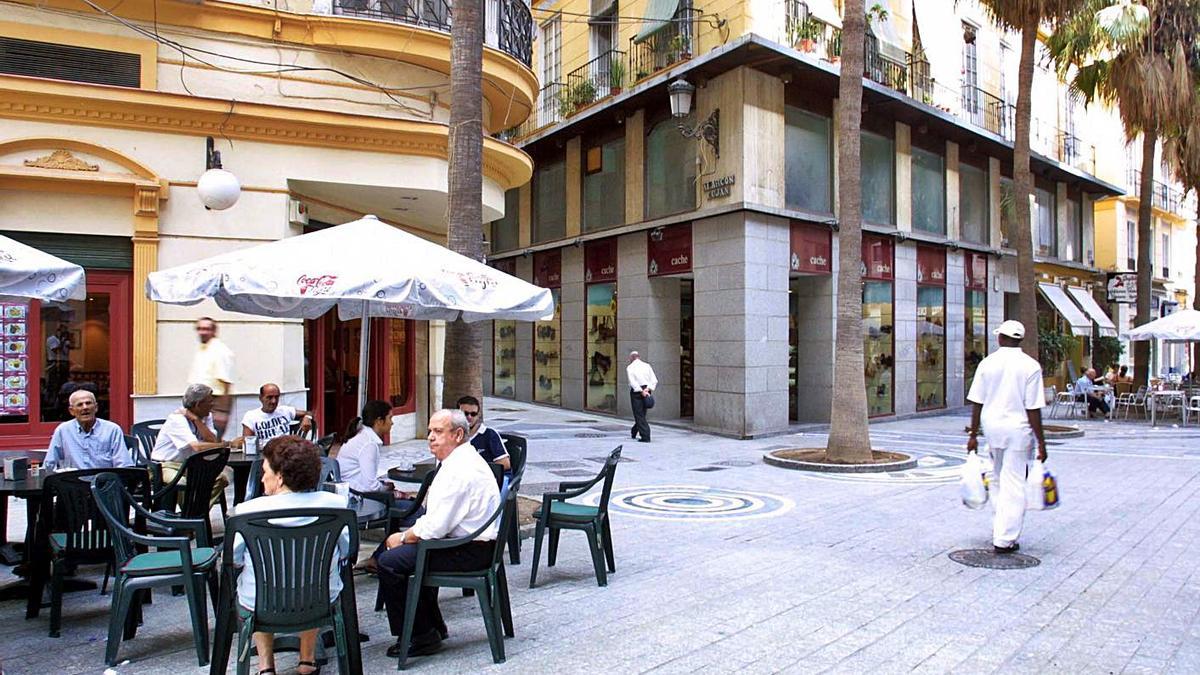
[[642, 384], [460, 500], [1007, 397], [213, 365]]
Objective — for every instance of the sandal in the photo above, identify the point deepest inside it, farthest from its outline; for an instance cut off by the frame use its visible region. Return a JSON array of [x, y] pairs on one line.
[[310, 664]]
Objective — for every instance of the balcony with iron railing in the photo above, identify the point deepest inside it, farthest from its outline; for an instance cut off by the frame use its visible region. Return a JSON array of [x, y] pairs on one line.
[[508, 24], [599, 78], [1165, 197], [807, 33], [673, 43]]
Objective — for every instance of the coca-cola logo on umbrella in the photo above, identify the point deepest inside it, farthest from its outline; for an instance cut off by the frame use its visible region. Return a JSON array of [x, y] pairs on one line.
[[472, 279], [316, 285]]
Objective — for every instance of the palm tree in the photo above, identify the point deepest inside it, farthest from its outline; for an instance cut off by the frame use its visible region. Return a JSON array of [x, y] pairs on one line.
[[464, 204], [849, 439], [1141, 59], [1025, 16], [1181, 152]]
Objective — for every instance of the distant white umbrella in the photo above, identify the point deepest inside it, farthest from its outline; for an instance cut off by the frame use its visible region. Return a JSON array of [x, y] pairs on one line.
[[29, 274], [1183, 325], [363, 268]]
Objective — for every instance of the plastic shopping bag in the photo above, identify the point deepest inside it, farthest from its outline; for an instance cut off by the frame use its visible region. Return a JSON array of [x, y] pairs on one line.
[[1041, 490], [971, 486]]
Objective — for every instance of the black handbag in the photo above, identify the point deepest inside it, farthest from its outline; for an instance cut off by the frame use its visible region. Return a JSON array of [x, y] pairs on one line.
[[649, 401]]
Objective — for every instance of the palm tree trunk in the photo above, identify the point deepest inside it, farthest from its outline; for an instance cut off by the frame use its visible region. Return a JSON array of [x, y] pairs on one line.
[[1023, 187], [464, 205], [849, 438], [1196, 291], [1145, 265]]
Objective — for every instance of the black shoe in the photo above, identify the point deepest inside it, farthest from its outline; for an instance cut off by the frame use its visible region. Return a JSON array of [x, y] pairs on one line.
[[633, 433], [643, 440], [1004, 550], [422, 645], [443, 632]]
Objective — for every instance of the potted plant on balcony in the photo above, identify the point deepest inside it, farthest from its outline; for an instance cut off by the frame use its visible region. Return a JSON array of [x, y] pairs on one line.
[[681, 47], [806, 33], [616, 76], [566, 103], [583, 94]]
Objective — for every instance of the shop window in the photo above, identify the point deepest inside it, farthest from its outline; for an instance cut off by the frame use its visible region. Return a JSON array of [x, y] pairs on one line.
[[878, 172], [504, 358], [398, 363], [547, 365], [1072, 244], [878, 346], [670, 185], [506, 231], [808, 158], [928, 191], [549, 201], [976, 333], [602, 362], [1008, 211], [931, 347], [1046, 227], [973, 203], [604, 185]]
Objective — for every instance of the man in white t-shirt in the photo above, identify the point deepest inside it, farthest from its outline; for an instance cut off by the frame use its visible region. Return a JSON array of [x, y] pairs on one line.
[[187, 431], [273, 419], [1007, 397]]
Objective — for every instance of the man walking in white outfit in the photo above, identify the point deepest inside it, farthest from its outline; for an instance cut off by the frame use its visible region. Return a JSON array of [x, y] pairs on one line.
[[642, 384], [1007, 397]]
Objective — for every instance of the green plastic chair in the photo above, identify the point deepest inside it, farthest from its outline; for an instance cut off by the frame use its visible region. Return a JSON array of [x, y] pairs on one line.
[[330, 472], [489, 584], [173, 562], [556, 514], [191, 489], [517, 453], [291, 575]]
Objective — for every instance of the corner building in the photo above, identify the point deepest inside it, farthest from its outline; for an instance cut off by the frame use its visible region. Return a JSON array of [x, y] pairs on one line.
[[709, 243]]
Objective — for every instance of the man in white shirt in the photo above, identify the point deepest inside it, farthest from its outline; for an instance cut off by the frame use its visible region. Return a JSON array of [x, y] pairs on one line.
[[460, 500], [189, 430], [213, 365], [642, 384], [272, 419], [1008, 398]]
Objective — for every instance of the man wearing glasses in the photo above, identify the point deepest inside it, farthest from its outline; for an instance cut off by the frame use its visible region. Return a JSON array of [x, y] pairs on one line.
[[486, 441]]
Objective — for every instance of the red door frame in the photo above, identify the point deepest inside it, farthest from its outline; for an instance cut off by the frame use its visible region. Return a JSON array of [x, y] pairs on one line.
[[36, 434]]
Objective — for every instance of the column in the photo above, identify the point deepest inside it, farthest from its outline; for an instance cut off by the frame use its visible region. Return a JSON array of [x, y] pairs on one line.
[[145, 312], [905, 331], [524, 387], [956, 328], [648, 322], [573, 347]]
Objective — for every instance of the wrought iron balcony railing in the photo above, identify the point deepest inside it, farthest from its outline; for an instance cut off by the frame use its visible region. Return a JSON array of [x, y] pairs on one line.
[[599, 78], [673, 43], [1166, 197], [508, 24], [805, 32]]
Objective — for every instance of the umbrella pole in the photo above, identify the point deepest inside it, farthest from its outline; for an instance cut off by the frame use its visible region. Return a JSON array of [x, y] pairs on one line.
[[364, 345]]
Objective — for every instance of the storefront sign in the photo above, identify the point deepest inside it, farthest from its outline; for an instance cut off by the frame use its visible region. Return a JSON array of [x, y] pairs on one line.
[[14, 359], [931, 266], [547, 268], [877, 257], [719, 187], [600, 261], [1122, 287], [975, 267], [669, 250], [812, 249]]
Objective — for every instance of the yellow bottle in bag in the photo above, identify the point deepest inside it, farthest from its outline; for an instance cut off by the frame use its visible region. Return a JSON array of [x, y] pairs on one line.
[[1049, 490]]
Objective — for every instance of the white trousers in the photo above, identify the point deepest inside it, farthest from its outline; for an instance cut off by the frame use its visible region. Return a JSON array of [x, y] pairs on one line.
[[1008, 487]]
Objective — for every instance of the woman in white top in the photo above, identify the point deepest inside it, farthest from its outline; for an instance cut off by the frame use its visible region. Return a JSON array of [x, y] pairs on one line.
[[358, 458], [291, 479]]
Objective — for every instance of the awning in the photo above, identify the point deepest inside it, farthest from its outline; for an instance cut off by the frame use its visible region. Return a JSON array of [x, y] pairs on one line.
[[825, 11], [1081, 325], [940, 26], [1094, 310], [600, 11], [657, 15], [890, 46]]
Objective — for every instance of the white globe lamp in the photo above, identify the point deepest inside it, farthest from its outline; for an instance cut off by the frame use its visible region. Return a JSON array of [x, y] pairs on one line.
[[218, 189]]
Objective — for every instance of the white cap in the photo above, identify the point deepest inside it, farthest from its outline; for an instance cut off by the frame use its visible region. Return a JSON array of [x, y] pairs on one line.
[[1013, 329]]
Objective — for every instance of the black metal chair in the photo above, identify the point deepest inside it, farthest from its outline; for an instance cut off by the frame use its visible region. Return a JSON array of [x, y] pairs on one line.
[[173, 562], [189, 493], [72, 531], [146, 434], [556, 514], [490, 584], [330, 472], [517, 453], [291, 575]]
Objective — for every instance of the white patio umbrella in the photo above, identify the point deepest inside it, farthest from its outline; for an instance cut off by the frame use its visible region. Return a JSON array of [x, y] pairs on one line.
[[363, 268], [1183, 325], [29, 274]]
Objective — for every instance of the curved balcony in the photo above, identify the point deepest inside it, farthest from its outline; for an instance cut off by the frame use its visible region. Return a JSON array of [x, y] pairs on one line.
[[508, 24]]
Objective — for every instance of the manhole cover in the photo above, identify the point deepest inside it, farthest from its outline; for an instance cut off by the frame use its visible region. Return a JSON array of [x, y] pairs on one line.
[[556, 465], [503, 419], [495, 409], [737, 463], [573, 473], [581, 421], [602, 460], [709, 468], [985, 557], [587, 435]]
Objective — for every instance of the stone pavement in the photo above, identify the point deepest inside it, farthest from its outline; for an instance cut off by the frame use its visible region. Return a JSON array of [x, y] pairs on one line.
[[725, 564]]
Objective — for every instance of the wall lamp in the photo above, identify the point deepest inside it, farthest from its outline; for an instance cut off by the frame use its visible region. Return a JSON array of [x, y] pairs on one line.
[[681, 92], [218, 188]]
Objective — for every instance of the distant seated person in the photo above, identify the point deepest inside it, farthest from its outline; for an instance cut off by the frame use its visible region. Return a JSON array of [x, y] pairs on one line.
[[358, 458], [1085, 391], [189, 430], [291, 478], [1110, 375], [87, 442], [272, 419], [1123, 375], [486, 441]]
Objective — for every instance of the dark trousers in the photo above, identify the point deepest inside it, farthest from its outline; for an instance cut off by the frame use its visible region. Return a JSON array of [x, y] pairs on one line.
[[640, 425], [398, 564], [1094, 403]]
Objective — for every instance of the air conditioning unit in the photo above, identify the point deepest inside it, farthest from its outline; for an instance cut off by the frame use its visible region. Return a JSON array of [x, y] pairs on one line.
[[297, 212]]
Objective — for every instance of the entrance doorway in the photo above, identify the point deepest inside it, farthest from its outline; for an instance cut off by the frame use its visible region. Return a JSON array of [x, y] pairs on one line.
[[686, 348], [331, 349]]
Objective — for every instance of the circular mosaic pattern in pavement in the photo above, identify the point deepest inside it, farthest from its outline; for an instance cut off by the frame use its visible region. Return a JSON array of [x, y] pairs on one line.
[[694, 502], [932, 467], [986, 557]]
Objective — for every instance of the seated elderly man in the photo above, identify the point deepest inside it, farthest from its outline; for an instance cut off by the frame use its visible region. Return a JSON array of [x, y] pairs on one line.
[[1086, 392], [87, 442], [272, 419], [460, 500], [189, 430]]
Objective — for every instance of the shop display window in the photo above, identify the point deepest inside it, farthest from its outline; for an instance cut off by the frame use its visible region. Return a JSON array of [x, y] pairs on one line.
[[878, 346], [931, 347], [547, 365], [504, 359], [601, 362], [977, 347]]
